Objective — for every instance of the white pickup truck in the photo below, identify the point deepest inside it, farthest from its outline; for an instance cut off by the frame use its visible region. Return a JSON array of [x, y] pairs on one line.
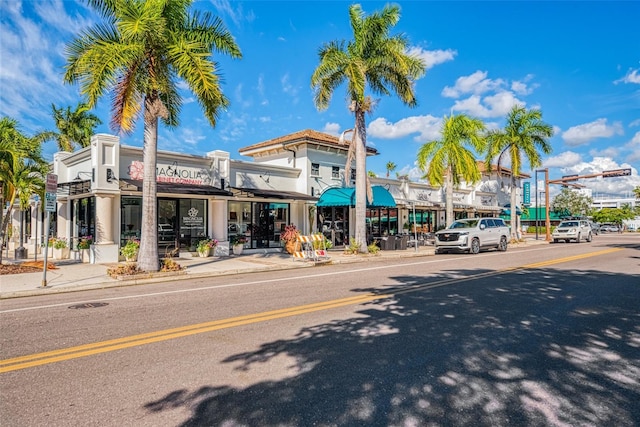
[[473, 234]]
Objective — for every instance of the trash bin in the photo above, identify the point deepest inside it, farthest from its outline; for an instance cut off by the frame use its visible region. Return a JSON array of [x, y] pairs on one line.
[[402, 242], [20, 253]]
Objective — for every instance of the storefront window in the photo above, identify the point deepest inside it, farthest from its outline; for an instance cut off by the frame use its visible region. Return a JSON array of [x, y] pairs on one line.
[[423, 221], [181, 222], [382, 222], [333, 222], [260, 222], [83, 221]]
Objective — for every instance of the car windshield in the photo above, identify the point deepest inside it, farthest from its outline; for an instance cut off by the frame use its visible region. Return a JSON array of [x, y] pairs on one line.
[[568, 224], [467, 223]]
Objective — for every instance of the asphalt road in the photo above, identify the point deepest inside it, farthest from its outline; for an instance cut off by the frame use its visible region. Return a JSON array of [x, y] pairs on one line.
[[539, 336]]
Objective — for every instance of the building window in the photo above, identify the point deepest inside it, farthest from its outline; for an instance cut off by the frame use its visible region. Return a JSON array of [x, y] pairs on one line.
[[335, 172], [315, 169]]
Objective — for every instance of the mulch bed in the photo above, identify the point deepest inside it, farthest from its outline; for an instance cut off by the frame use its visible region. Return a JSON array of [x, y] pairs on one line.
[[25, 267]]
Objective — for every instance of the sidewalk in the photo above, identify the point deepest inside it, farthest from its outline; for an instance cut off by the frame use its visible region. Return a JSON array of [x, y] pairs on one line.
[[73, 276]]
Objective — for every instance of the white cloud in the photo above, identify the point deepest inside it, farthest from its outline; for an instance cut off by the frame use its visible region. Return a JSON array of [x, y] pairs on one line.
[[584, 133], [427, 127], [475, 83], [563, 160], [289, 88], [497, 105], [433, 57], [522, 88], [632, 76], [634, 123], [633, 147], [332, 129]]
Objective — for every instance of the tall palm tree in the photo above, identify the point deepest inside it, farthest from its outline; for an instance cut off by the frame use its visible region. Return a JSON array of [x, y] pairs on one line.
[[138, 55], [390, 168], [451, 160], [524, 135], [21, 169], [636, 191], [75, 128], [376, 60]]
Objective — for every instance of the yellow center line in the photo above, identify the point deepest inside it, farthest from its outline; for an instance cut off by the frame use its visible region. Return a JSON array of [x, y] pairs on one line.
[[38, 359]]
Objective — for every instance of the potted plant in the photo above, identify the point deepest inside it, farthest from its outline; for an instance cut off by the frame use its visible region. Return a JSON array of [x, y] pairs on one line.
[[60, 248], [237, 242], [205, 247], [290, 238], [84, 244], [130, 250]]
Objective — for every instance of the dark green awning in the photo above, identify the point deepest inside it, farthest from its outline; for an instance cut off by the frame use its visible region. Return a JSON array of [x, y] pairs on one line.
[[347, 197]]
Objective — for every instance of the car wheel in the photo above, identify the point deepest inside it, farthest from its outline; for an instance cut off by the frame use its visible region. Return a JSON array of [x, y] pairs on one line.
[[555, 240], [475, 246], [589, 237], [502, 246], [579, 238]]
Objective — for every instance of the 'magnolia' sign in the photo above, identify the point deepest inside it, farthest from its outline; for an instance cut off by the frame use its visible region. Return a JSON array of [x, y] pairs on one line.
[[172, 173]]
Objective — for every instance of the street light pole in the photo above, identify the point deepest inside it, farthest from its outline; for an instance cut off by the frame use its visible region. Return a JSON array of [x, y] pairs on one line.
[[547, 222]]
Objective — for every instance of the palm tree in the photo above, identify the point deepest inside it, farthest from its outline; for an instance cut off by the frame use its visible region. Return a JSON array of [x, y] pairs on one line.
[[75, 128], [525, 134], [451, 160], [138, 55], [21, 169], [636, 191], [373, 59], [390, 168]]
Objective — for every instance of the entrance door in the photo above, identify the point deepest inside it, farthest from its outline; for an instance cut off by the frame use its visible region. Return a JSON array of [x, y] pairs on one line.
[[263, 225]]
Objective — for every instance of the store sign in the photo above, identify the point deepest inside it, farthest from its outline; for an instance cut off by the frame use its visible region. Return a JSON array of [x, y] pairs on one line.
[[172, 173], [193, 220]]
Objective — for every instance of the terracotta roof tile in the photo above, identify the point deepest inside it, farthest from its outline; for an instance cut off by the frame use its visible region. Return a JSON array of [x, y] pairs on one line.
[[306, 135]]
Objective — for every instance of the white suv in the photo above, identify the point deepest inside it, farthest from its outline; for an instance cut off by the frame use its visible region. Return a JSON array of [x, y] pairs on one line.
[[575, 229], [472, 234]]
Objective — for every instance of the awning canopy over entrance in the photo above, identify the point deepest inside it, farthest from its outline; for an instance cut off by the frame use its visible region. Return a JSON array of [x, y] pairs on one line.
[[272, 194], [347, 197], [173, 188]]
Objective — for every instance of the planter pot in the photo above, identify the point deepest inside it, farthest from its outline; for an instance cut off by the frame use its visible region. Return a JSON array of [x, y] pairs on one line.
[[290, 246], [237, 249], [132, 258], [85, 255], [205, 254], [61, 253]]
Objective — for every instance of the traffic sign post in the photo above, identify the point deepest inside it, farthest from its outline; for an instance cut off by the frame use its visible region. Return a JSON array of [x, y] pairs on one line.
[[616, 172], [50, 206]]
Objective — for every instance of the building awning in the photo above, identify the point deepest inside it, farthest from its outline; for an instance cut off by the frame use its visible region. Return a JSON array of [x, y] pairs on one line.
[[174, 188], [507, 210], [272, 194], [347, 197]]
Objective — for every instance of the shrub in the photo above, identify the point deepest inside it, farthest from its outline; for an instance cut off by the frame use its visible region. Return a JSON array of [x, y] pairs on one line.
[[130, 250], [85, 242], [60, 243], [353, 247], [206, 244], [373, 248], [290, 233], [238, 239]]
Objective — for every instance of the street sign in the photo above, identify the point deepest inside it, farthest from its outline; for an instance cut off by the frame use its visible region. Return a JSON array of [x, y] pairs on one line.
[[616, 172], [567, 178], [52, 183], [526, 196], [50, 202]]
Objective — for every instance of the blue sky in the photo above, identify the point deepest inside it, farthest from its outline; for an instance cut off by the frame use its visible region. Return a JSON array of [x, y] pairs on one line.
[[579, 62]]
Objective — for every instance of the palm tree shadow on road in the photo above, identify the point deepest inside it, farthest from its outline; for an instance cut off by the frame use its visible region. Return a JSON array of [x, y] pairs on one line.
[[541, 347]]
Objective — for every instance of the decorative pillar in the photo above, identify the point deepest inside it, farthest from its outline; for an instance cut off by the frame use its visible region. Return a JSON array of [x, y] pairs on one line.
[[104, 221]]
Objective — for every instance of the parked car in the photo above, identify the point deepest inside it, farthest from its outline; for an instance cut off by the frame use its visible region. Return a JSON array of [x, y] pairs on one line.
[[473, 234], [609, 228], [576, 230]]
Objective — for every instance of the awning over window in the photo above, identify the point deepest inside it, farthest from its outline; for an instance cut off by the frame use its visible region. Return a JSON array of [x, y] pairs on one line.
[[272, 194], [347, 197], [172, 188]]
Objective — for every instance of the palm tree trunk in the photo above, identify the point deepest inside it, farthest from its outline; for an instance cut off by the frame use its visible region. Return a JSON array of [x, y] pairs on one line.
[[448, 198], [514, 213], [148, 259], [360, 139]]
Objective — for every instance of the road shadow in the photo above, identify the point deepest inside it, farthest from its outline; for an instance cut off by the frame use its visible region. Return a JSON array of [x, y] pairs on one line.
[[547, 347]]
